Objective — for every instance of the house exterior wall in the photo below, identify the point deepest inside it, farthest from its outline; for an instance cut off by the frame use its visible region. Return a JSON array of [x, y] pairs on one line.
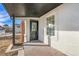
[[66, 37]]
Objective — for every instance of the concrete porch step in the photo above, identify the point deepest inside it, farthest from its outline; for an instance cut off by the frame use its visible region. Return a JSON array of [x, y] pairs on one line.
[[35, 44]]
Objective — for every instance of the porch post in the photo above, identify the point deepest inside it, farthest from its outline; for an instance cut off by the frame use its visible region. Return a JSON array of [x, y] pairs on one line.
[[13, 29]]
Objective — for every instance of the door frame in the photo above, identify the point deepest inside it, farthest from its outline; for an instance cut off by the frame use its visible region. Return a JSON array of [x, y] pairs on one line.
[[37, 27]]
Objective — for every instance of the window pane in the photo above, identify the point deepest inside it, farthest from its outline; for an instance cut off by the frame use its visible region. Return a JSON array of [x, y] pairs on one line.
[[50, 26]]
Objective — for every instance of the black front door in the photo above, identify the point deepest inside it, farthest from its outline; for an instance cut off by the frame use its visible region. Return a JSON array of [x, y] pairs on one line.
[[33, 30]]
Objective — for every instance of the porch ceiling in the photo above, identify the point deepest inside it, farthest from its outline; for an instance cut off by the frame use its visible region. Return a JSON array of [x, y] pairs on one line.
[[29, 9]]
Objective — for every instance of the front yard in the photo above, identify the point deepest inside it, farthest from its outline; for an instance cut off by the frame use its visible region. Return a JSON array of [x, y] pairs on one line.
[[4, 43]]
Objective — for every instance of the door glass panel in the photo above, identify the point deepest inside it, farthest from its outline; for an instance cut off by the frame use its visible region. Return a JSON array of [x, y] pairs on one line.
[[34, 26], [33, 30]]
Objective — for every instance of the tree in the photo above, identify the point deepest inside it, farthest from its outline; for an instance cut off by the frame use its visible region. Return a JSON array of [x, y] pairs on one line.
[[6, 27]]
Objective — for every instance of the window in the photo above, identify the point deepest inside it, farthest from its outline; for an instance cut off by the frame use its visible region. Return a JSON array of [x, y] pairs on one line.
[[51, 25]]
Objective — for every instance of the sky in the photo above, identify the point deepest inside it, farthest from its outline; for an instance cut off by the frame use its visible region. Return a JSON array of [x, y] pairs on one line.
[[5, 18]]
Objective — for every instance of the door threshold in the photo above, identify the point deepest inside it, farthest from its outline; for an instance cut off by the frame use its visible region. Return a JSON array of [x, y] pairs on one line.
[[35, 41]]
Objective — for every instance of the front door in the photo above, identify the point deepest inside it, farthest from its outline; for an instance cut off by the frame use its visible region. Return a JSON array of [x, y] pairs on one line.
[[33, 30]]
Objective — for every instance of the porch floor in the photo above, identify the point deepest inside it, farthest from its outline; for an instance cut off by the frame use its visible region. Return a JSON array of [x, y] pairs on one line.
[[40, 49]]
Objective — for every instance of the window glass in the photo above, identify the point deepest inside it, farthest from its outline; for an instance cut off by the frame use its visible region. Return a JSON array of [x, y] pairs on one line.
[[51, 25]]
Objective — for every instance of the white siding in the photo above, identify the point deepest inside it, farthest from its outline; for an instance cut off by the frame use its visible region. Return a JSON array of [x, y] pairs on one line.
[[67, 28]]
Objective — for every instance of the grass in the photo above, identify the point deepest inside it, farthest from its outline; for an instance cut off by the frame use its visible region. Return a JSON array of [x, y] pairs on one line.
[[4, 43]]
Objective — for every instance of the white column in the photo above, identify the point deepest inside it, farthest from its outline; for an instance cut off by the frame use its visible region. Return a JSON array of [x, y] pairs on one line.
[[25, 30]]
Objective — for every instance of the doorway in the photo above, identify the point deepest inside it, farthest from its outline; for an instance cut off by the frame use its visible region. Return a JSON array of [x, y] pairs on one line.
[[33, 30]]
